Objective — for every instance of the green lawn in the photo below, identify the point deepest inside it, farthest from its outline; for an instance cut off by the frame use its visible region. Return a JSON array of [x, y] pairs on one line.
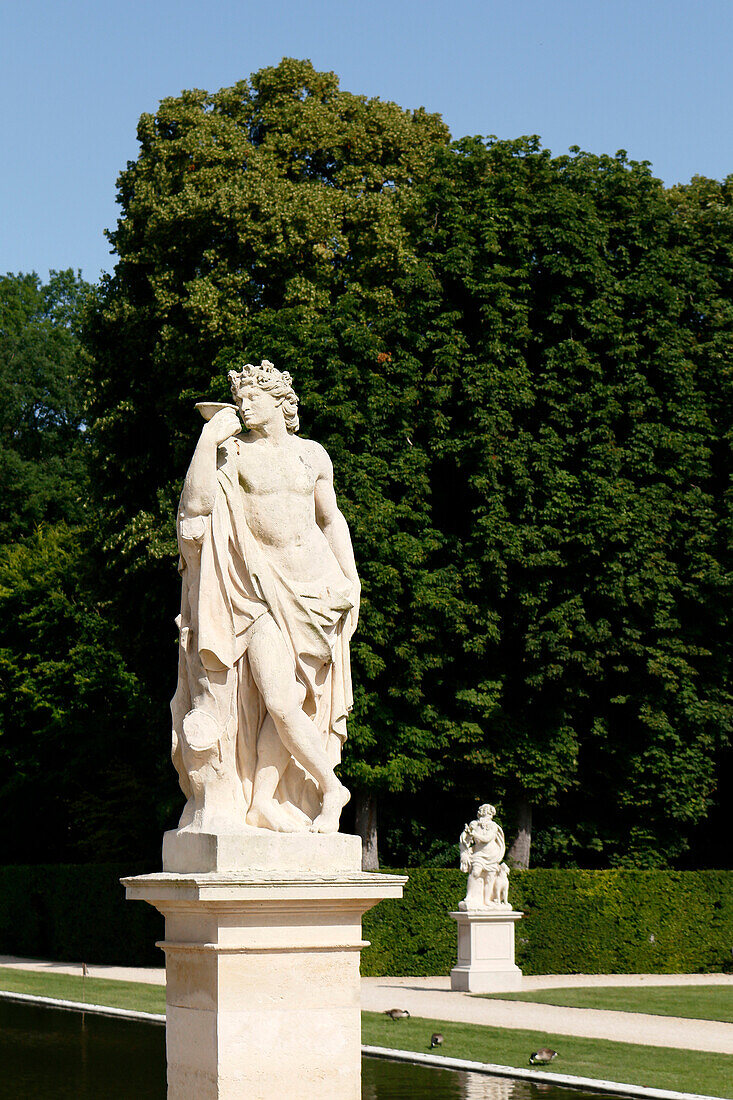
[[690, 1071], [656, 1067], [700, 1002], [98, 991]]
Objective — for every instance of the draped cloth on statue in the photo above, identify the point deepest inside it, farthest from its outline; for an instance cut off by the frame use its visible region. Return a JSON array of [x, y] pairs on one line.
[[228, 583], [483, 845]]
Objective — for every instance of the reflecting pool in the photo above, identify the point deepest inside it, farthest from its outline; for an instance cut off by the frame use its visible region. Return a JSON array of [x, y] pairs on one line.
[[382, 1080], [48, 1054]]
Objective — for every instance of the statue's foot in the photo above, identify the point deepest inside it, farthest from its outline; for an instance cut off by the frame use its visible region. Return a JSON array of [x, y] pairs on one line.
[[266, 813], [330, 815]]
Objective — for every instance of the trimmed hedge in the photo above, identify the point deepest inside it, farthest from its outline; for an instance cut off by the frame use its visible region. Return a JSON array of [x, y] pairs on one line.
[[77, 913], [602, 922], [576, 922]]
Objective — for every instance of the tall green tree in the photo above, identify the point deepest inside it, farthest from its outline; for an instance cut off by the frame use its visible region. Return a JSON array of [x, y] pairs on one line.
[[517, 363], [267, 219], [41, 462], [581, 461], [79, 779], [77, 773]]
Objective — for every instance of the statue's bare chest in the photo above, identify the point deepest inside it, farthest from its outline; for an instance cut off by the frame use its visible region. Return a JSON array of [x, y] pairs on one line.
[[264, 472]]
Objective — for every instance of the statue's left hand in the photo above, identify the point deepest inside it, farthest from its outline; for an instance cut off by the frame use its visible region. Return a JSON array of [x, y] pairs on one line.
[[222, 425]]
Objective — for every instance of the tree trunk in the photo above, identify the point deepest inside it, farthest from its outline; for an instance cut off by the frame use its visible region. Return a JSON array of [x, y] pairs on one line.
[[366, 827], [519, 851]]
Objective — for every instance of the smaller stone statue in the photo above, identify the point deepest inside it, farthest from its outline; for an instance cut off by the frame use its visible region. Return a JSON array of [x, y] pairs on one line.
[[482, 848]]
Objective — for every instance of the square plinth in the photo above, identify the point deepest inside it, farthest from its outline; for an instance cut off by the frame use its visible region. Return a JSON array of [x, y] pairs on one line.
[[486, 952], [260, 850]]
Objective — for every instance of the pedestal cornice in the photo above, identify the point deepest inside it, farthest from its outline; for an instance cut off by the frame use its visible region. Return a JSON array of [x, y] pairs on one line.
[[259, 886]]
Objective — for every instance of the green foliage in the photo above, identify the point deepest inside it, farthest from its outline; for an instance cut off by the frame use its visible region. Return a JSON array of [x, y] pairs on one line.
[[576, 922], [267, 219], [415, 935], [77, 772], [513, 362], [580, 476], [502, 352], [589, 922], [622, 922], [41, 460], [76, 913], [520, 366]]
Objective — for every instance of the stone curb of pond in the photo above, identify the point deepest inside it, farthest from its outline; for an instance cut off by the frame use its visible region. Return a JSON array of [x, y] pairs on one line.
[[437, 1061], [593, 1084], [82, 1006]]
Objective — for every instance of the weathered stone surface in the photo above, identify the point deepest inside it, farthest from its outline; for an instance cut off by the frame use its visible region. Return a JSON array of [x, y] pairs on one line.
[[261, 850], [486, 952], [263, 981], [270, 598], [485, 918], [482, 848]]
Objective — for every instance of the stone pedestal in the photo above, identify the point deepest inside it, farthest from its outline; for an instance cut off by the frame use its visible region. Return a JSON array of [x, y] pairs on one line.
[[486, 952], [262, 966]]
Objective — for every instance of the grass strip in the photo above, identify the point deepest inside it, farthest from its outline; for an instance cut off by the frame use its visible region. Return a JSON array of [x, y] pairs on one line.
[[655, 1067], [98, 991], [658, 1067], [699, 1002]]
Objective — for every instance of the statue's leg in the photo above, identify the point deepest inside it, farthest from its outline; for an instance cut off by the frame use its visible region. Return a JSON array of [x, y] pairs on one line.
[[272, 760], [274, 674]]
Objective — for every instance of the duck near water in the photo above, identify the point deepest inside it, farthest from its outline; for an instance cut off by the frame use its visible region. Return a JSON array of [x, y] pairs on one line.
[[397, 1013], [542, 1057]]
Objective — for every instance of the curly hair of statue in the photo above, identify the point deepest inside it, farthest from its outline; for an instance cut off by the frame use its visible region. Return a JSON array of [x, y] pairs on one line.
[[267, 377]]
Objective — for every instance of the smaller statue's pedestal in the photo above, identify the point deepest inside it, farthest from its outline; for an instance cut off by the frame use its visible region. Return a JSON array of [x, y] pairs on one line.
[[262, 965], [486, 951]]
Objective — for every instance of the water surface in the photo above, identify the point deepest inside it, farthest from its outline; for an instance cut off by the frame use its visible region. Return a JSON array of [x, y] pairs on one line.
[[383, 1080], [49, 1054]]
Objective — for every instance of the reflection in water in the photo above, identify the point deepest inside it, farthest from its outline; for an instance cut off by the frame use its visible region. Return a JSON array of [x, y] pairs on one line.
[[47, 1054], [383, 1080], [478, 1087]]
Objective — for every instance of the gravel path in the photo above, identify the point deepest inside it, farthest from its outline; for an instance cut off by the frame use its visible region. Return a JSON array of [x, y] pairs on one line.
[[433, 998], [151, 975]]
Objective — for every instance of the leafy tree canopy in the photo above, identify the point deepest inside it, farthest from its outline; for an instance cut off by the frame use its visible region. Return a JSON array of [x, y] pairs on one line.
[[267, 219], [42, 410], [79, 778], [519, 364], [584, 473]]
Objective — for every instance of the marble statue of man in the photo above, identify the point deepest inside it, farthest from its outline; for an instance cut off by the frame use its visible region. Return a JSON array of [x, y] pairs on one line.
[[482, 848], [270, 598]]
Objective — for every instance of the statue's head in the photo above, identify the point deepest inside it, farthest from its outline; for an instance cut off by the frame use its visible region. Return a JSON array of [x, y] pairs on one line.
[[268, 379], [486, 810]]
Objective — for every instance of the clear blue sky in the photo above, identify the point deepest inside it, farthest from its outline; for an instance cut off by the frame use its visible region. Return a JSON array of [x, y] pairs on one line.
[[653, 77]]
